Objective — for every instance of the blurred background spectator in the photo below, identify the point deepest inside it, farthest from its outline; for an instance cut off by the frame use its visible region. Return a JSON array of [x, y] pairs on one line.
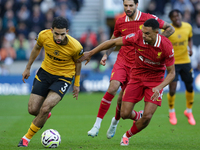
[[63, 10], [20, 45], [89, 41], [196, 25], [7, 53], [183, 5], [20, 20]]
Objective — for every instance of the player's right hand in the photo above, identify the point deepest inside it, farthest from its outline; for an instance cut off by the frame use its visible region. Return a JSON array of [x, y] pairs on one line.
[[76, 91], [190, 52], [25, 75], [86, 56], [156, 94], [103, 60]]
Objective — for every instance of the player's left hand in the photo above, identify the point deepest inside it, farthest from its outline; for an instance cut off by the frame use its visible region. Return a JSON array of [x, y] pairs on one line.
[[103, 60], [86, 56], [190, 52], [26, 74], [76, 91], [156, 94]]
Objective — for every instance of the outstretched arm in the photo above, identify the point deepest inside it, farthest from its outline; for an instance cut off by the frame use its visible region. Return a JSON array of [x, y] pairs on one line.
[[108, 52], [103, 46], [168, 30]]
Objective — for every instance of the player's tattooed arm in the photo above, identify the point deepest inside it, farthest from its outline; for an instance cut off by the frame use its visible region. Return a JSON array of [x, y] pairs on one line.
[[109, 51], [168, 30], [116, 48]]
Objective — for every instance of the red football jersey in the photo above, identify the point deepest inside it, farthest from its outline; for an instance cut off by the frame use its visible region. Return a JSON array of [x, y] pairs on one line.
[[150, 61], [124, 26]]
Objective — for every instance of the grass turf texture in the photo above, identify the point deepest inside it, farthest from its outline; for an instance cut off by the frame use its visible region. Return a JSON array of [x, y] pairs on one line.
[[73, 118]]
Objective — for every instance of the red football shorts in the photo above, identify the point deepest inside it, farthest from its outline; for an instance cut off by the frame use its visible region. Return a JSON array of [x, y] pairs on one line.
[[121, 73], [137, 89]]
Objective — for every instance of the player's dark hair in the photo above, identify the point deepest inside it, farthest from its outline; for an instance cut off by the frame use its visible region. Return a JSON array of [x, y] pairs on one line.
[[60, 23], [152, 23], [135, 1], [174, 10]]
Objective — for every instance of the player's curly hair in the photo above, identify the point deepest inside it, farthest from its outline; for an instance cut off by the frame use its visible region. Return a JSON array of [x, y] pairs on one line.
[[174, 10], [152, 23], [60, 23], [135, 1]]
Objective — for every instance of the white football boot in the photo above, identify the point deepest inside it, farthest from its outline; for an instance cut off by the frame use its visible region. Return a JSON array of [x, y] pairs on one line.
[[94, 131], [112, 129]]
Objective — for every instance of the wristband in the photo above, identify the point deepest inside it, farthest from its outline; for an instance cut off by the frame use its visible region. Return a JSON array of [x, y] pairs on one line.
[[77, 80]]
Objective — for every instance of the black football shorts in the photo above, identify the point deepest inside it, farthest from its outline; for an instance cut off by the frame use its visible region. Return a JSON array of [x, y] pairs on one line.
[[44, 82], [185, 71]]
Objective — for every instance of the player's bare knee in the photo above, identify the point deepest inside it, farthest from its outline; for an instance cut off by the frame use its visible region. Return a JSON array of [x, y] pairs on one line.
[[124, 115], [146, 118], [45, 110], [113, 87], [112, 90], [33, 111], [172, 92]]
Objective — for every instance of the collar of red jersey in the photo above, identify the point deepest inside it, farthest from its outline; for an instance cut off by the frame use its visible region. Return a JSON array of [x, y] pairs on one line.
[[158, 41], [137, 18]]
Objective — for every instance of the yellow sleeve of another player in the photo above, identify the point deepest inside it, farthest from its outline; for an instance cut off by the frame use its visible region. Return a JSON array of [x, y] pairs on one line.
[[40, 38], [78, 53], [190, 29]]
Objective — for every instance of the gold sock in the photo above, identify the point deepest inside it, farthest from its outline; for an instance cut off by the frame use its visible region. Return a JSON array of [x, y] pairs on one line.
[[171, 100], [31, 131], [189, 99]]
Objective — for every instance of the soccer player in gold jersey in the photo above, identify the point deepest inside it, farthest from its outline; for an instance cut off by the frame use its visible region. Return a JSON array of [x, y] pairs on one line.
[[55, 74], [182, 44]]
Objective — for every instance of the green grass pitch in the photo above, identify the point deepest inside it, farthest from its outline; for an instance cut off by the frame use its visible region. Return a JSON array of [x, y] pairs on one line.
[[73, 118]]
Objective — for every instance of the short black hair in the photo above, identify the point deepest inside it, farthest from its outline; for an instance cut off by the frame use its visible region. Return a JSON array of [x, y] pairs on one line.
[[174, 10], [152, 23], [60, 23], [135, 1]]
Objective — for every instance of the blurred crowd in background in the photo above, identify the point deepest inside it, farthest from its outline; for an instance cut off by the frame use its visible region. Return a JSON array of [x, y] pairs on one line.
[[190, 10], [22, 20]]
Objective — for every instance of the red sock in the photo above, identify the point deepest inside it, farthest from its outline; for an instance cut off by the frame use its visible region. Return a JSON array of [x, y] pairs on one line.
[[132, 131], [105, 104], [117, 113], [137, 115]]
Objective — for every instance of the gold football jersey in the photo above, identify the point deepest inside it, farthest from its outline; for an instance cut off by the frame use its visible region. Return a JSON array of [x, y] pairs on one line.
[[179, 40], [59, 59]]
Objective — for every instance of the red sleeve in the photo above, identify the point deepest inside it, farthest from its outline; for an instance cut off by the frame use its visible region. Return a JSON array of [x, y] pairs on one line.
[[117, 32], [169, 56], [160, 21], [129, 39]]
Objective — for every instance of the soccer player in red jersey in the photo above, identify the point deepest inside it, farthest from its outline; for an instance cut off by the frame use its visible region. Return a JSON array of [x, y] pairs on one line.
[[153, 55], [131, 22]]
